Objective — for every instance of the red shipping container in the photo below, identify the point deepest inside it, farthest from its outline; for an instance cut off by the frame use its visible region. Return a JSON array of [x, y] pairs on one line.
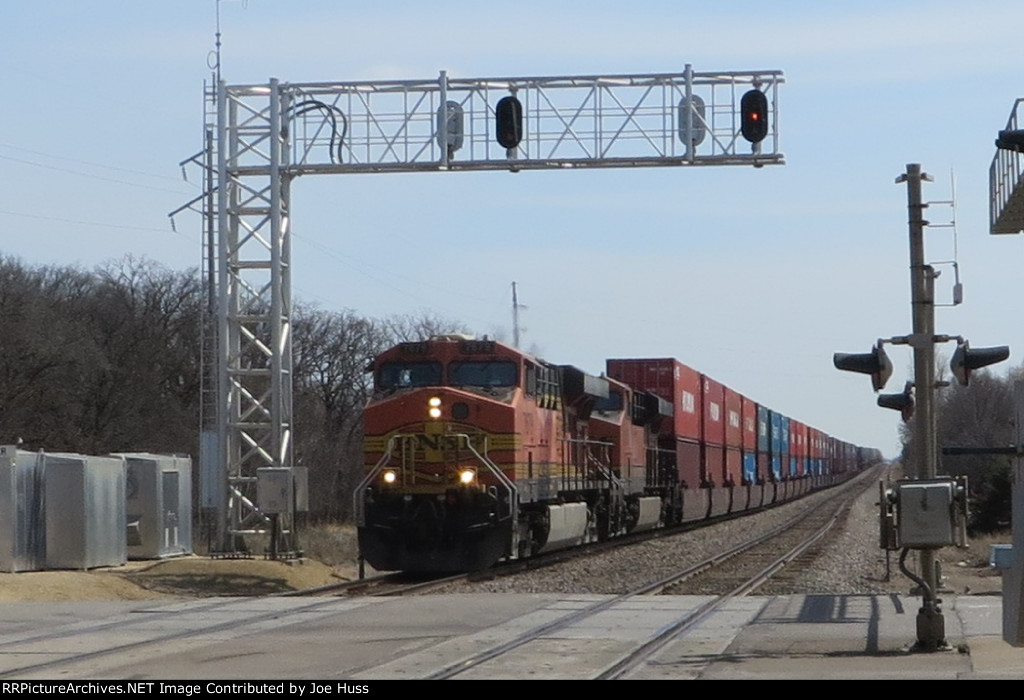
[[713, 410], [733, 418], [749, 419], [733, 467], [714, 465], [688, 464], [764, 467], [813, 443], [798, 447], [671, 380]]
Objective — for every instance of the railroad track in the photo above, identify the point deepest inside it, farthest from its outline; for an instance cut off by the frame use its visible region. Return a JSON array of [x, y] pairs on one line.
[[736, 572], [743, 569], [393, 584]]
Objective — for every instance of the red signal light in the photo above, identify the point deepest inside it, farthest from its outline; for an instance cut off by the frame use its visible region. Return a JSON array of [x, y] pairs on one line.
[[754, 116]]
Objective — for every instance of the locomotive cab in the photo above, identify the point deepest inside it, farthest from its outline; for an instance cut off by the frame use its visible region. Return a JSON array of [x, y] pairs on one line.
[[434, 497]]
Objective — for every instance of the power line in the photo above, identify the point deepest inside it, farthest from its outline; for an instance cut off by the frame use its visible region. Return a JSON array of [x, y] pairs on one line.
[[89, 223], [90, 175], [86, 162]]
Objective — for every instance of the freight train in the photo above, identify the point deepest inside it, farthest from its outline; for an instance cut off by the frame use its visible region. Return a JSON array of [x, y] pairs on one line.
[[476, 452]]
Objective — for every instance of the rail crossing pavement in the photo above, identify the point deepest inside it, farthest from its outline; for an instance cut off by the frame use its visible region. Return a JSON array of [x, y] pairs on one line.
[[367, 639]]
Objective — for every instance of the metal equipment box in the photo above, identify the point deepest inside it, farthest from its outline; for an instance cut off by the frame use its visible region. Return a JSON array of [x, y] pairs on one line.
[[158, 500], [22, 523], [925, 513], [274, 490], [85, 511]]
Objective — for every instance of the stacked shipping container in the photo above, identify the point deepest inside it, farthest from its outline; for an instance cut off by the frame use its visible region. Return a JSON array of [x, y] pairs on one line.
[[722, 438]]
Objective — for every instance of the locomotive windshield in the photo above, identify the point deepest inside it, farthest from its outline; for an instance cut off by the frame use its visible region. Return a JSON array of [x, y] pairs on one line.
[[482, 374], [612, 403], [399, 375]]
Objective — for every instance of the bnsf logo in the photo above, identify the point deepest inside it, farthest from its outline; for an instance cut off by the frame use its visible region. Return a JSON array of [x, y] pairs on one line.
[[440, 442]]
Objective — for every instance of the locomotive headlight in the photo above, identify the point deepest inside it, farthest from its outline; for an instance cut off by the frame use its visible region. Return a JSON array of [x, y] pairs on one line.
[[390, 476], [467, 477], [434, 407]]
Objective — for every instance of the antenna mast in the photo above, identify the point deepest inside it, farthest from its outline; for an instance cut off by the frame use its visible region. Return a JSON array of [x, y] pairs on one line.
[[215, 54], [515, 316]]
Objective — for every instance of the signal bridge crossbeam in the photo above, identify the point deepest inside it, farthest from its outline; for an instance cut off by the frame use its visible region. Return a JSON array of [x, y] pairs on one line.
[[567, 122], [263, 136]]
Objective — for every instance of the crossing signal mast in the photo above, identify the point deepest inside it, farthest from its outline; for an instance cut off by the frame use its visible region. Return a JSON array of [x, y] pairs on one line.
[[928, 512], [261, 137]]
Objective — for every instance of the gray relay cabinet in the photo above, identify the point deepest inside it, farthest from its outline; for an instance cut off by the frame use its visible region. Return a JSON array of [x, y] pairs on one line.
[[85, 511], [159, 505], [22, 526]]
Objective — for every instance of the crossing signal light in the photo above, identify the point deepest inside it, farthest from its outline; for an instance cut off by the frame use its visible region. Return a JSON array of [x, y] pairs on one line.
[[754, 116], [966, 359], [876, 363], [902, 402], [508, 116]]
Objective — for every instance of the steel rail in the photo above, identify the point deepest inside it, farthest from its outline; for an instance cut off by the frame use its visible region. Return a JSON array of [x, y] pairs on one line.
[[672, 632]]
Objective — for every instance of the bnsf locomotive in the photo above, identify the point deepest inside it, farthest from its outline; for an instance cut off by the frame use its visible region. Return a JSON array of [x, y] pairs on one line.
[[476, 452]]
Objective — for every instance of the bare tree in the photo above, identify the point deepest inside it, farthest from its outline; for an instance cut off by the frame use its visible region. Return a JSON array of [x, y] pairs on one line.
[[406, 328], [978, 415], [144, 392], [331, 351], [109, 360], [42, 353]]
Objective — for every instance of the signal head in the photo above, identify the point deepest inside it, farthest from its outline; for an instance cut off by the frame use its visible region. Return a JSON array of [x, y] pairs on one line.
[[508, 117], [876, 363], [902, 402], [754, 116], [966, 359]]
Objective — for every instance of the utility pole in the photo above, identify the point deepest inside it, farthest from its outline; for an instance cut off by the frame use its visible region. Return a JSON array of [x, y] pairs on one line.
[[515, 316], [931, 633]]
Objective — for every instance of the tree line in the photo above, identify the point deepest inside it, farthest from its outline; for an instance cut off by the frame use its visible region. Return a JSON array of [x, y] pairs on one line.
[[108, 360], [978, 415]]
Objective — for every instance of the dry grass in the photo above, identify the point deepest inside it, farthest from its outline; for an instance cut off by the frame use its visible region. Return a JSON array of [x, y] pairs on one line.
[[978, 552]]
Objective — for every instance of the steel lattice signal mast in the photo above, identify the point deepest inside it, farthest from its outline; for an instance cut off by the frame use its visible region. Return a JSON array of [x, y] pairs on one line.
[[260, 137]]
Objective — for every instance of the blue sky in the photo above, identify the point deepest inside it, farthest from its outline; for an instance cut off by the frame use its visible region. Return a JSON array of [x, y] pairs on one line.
[[753, 276]]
